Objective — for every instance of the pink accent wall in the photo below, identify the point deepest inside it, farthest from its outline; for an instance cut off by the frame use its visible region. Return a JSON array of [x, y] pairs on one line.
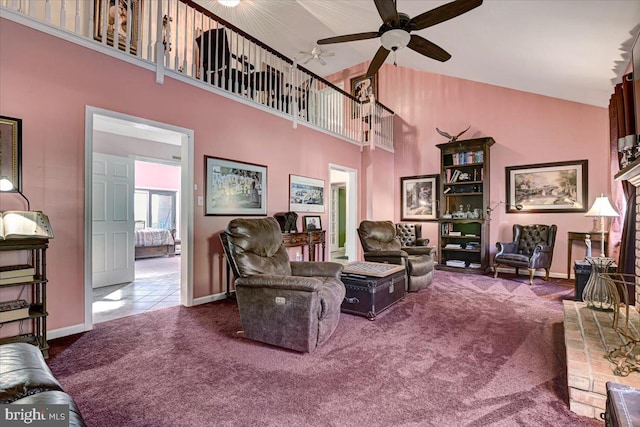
[[52, 99], [157, 176], [527, 128]]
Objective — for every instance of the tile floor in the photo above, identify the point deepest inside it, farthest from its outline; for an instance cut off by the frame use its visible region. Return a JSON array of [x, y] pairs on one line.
[[338, 256], [156, 285]]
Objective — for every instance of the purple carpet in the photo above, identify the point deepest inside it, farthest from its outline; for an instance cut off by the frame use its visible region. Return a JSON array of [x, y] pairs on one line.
[[467, 351]]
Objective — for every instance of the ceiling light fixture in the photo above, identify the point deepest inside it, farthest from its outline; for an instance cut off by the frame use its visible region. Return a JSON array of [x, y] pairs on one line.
[[229, 3], [395, 39]]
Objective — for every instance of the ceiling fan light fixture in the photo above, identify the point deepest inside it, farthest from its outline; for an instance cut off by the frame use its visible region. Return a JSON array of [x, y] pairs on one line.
[[229, 3], [395, 39]]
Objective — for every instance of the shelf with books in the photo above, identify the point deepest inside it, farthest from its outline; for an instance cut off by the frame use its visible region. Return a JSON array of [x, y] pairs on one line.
[[33, 275], [464, 235]]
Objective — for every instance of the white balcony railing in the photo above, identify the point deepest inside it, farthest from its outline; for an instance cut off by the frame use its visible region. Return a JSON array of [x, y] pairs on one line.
[[181, 37]]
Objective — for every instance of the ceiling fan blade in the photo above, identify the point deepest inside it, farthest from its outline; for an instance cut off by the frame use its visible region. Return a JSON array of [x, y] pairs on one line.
[[307, 61], [387, 10], [328, 53], [349, 38], [443, 13], [322, 61], [377, 61], [427, 48]]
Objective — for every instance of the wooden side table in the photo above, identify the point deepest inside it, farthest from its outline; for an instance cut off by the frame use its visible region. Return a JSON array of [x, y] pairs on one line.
[[580, 236]]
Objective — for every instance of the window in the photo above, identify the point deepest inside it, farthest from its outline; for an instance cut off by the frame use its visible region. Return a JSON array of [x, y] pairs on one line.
[[156, 208]]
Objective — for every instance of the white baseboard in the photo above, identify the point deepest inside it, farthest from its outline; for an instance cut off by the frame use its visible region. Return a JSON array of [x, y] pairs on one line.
[[66, 331], [210, 298], [525, 272]]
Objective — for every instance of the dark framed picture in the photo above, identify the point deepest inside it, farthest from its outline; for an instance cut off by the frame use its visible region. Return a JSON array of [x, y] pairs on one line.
[[11, 151], [121, 17], [234, 188], [306, 194], [362, 87], [419, 197], [311, 222], [548, 187]]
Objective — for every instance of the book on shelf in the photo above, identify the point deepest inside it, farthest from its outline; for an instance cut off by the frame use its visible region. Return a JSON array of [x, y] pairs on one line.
[[17, 279], [9, 271], [455, 233], [24, 224], [13, 310]]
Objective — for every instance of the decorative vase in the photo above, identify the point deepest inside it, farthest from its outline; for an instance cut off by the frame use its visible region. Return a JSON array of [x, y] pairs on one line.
[[597, 294]]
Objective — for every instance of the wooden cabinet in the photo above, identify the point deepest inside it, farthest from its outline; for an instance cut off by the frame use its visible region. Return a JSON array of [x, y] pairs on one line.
[[308, 239], [36, 284], [463, 243]]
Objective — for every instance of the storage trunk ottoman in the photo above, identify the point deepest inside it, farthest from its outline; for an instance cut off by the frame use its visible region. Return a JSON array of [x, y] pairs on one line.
[[372, 287]]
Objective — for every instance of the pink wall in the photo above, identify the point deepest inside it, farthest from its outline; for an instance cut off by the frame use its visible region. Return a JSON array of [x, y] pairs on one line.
[[527, 128], [51, 101], [157, 176]]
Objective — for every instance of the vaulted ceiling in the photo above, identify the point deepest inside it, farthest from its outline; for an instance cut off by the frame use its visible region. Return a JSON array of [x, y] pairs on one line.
[[568, 49]]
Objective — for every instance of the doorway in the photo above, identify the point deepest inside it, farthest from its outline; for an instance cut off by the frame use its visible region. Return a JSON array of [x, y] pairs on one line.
[[133, 137], [343, 213]]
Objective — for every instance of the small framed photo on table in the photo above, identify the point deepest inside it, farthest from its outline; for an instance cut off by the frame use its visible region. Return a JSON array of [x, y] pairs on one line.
[[312, 223]]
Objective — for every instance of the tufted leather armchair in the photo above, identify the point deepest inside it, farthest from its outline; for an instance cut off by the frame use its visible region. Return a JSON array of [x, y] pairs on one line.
[[532, 248], [294, 305], [380, 243], [411, 240]]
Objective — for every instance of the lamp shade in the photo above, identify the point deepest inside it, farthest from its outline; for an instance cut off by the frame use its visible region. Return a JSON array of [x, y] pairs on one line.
[[602, 207], [5, 184], [395, 39]]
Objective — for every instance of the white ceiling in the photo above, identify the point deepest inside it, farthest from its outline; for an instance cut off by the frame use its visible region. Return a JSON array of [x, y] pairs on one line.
[[569, 49]]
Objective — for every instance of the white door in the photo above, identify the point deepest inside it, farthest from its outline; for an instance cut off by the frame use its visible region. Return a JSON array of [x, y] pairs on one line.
[[112, 209], [334, 213]]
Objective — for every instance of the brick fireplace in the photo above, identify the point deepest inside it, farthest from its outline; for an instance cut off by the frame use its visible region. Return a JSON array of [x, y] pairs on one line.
[[589, 335]]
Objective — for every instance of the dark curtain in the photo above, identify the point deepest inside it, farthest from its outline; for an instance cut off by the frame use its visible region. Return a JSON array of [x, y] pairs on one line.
[[622, 124]]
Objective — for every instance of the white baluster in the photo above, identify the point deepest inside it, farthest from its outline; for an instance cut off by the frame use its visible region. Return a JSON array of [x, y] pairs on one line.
[[76, 21], [47, 12], [63, 14], [159, 58]]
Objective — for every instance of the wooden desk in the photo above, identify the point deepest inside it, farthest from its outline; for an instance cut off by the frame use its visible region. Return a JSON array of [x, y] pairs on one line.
[[306, 239], [580, 236]]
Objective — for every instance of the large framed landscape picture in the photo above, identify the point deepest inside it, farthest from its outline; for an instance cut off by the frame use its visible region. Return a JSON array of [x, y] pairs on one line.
[[235, 188], [419, 198], [548, 187]]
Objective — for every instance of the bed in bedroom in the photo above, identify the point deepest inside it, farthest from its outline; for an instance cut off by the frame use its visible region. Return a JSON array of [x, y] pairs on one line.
[[155, 242]]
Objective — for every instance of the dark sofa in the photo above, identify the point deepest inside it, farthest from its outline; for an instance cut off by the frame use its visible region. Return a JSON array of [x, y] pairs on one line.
[[25, 379]]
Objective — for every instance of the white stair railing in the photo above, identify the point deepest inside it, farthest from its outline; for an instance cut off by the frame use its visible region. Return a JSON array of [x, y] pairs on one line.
[[179, 36]]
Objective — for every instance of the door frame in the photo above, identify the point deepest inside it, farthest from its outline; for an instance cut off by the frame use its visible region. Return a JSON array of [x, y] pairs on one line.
[[186, 204], [351, 226]]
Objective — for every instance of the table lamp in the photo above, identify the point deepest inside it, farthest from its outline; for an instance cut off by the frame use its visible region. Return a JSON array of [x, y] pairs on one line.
[[602, 208], [7, 185]]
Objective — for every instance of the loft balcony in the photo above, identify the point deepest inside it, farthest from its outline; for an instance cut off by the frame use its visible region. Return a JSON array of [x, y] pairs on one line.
[[179, 39]]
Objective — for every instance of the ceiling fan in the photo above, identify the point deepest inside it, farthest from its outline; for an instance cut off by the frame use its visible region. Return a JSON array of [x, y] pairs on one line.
[[316, 54], [395, 29]]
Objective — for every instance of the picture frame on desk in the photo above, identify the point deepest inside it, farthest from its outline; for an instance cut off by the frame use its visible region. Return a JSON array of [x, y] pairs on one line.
[[234, 188], [312, 223], [11, 149], [548, 187]]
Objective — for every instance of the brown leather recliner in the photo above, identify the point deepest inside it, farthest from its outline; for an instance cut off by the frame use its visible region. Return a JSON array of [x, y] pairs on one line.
[[380, 243], [531, 248], [294, 305]]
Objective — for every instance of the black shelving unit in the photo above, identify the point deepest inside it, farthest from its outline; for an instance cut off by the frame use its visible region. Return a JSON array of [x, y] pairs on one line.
[[36, 252], [463, 243]]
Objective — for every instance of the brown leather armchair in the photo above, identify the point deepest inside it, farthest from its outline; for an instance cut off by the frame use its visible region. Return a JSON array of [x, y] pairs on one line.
[[381, 243], [294, 305], [531, 248]]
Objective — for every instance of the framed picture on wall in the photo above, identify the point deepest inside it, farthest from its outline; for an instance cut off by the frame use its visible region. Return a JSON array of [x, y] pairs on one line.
[[548, 187], [419, 197], [234, 188], [362, 88], [11, 151], [121, 14], [306, 194]]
